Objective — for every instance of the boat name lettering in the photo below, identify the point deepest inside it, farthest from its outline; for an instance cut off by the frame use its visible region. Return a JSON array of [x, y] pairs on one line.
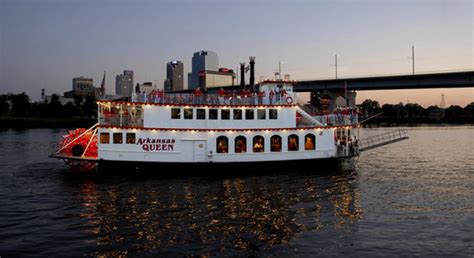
[[156, 144]]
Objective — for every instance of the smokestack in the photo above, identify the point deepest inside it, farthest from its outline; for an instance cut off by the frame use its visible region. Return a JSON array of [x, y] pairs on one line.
[[242, 75], [252, 73]]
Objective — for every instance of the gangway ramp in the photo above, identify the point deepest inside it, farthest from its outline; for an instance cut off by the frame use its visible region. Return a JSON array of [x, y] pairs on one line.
[[379, 140], [308, 117]]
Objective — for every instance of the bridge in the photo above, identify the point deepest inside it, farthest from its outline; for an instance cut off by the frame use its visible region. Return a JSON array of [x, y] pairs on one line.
[[393, 82], [335, 89]]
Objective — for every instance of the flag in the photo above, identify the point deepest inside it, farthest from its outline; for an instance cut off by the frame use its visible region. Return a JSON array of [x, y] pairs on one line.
[[247, 68]]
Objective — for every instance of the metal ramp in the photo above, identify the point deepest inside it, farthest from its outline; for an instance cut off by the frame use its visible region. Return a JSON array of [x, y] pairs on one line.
[[376, 141], [307, 117]]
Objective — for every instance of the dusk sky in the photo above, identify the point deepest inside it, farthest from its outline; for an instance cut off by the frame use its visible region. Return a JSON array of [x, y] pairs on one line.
[[44, 44]]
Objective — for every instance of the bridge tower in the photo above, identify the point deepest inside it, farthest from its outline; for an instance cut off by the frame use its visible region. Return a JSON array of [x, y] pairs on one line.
[[443, 104], [328, 100]]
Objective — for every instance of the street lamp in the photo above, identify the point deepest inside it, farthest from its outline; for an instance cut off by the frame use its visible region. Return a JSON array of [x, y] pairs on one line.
[[335, 56], [413, 58]]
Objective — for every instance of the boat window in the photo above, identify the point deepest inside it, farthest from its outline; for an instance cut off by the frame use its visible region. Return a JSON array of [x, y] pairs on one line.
[[118, 138], [225, 114], [188, 113], [175, 113], [213, 114], [273, 113], [222, 145], [104, 138], [309, 141], [240, 144], [237, 114], [275, 143], [131, 138], [249, 114], [261, 114], [293, 142], [200, 114], [258, 144]]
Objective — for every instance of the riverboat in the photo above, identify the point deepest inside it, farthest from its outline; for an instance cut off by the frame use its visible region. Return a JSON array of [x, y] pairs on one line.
[[227, 129]]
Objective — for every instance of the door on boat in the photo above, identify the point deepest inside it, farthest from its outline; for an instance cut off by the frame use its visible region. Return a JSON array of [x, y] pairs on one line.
[[200, 151]]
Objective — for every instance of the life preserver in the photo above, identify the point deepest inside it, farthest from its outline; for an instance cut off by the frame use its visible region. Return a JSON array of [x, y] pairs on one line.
[[289, 100]]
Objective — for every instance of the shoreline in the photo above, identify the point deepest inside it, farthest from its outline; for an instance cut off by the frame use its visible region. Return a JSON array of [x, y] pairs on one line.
[[44, 122], [7, 122], [417, 125]]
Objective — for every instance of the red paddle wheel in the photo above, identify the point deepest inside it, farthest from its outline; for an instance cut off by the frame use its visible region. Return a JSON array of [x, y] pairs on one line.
[[78, 148]]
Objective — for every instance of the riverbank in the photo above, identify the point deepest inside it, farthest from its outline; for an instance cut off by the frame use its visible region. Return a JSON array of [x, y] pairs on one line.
[[48, 122], [382, 125], [54, 122]]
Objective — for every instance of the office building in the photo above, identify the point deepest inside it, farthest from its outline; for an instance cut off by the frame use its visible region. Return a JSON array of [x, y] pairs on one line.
[[212, 79], [82, 86], [202, 61], [124, 84], [174, 76]]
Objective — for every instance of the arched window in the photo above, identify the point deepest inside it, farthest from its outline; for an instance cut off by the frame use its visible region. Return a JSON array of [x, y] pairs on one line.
[[258, 144], [275, 145], [240, 144], [222, 144], [293, 142], [309, 142]]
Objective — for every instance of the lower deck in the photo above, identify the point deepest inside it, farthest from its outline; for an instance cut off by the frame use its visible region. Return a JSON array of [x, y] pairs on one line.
[[221, 146]]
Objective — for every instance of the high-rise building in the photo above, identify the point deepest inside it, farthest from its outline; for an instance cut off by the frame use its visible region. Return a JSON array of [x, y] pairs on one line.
[[174, 76], [124, 84], [81, 86], [202, 61]]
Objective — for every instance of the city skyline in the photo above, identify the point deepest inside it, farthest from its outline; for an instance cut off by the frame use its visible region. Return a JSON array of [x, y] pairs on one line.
[[44, 44]]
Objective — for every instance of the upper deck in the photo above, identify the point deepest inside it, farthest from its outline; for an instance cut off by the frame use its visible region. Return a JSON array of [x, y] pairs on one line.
[[195, 116], [273, 106]]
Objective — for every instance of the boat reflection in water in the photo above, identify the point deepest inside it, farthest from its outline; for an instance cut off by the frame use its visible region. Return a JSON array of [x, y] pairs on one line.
[[215, 216]]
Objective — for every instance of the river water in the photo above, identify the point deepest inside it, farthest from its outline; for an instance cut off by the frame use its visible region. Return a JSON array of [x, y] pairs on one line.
[[412, 198]]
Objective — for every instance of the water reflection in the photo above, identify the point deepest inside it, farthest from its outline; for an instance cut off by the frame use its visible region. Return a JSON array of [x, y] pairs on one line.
[[212, 216]]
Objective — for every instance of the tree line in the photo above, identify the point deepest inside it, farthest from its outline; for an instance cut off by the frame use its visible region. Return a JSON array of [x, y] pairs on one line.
[[412, 113], [20, 105]]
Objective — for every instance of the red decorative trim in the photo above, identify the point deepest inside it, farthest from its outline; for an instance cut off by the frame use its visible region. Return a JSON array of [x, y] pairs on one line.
[[193, 105], [223, 130]]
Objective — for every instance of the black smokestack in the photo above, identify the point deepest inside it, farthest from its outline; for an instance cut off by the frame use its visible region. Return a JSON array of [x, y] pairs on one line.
[[242, 75], [252, 72]]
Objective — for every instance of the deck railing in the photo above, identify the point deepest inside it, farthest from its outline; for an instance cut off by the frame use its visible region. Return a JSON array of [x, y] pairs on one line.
[[375, 141], [215, 99], [338, 119], [124, 120]]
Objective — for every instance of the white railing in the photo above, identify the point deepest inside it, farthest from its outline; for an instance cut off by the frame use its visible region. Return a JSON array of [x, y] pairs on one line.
[[230, 98], [338, 119], [375, 141]]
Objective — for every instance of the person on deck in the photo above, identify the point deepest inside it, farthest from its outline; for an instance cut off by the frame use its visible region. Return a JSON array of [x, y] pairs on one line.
[[221, 95], [160, 95], [260, 97], [270, 96], [283, 96], [197, 95]]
